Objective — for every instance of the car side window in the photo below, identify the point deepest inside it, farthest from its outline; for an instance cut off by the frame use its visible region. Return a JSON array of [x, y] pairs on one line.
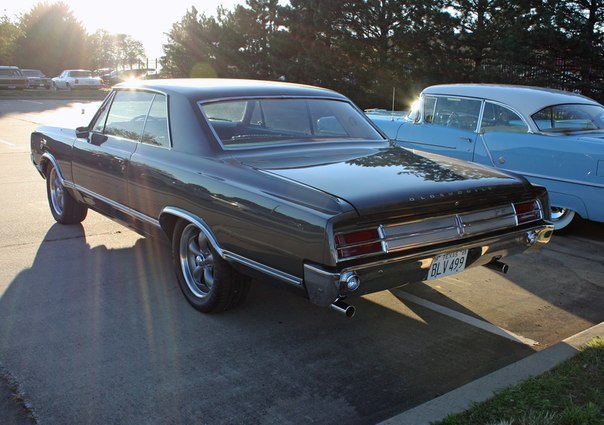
[[456, 112], [429, 105], [501, 119], [156, 127], [127, 114]]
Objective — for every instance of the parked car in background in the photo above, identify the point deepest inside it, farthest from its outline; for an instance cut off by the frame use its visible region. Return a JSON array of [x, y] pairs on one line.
[[11, 77], [76, 79], [282, 182], [553, 138], [104, 74], [36, 79]]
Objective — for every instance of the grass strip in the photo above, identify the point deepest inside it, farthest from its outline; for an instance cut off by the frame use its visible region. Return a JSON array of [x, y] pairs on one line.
[[572, 393]]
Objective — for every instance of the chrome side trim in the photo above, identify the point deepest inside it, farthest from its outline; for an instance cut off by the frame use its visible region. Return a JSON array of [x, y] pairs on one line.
[[228, 255], [50, 157], [178, 212], [551, 178], [278, 274], [120, 207]]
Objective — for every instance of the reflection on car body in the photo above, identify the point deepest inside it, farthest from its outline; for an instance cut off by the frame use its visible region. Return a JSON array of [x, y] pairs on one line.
[[553, 138], [282, 182]]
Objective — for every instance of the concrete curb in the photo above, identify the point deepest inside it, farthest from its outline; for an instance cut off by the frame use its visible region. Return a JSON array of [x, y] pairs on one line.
[[482, 389]]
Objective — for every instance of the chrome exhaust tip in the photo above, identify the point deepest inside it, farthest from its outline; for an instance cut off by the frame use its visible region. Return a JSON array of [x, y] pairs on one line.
[[343, 308], [498, 266]]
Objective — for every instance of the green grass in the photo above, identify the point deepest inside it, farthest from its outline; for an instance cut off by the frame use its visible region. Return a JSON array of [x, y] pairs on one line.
[[570, 394], [80, 94]]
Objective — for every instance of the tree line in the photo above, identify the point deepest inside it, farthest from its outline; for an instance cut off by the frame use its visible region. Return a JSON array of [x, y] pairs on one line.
[[362, 48], [365, 48], [51, 39]]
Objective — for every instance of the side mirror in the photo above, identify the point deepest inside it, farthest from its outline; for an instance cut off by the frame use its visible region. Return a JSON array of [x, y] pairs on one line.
[[82, 132]]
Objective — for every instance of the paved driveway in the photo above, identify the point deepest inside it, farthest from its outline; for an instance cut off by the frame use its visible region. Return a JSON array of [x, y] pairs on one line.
[[94, 329]]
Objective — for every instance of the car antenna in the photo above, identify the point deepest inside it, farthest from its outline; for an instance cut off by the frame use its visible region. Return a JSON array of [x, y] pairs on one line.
[[393, 97]]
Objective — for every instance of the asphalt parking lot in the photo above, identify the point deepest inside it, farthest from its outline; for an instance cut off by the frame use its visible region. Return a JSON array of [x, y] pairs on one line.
[[94, 329]]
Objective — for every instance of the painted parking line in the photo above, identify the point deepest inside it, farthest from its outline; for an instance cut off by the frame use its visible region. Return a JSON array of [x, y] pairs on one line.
[[481, 324], [4, 142], [32, 101]]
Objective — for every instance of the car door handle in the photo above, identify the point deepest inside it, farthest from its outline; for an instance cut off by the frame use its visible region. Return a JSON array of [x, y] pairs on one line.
[[466, 139]]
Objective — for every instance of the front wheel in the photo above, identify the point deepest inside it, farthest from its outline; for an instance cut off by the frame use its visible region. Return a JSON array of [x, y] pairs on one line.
[[208, 282], [561, 217], [64, 208]]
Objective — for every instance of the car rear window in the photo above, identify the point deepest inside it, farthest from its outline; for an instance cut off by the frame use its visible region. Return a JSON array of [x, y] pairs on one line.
[[570, 117], [248, 123]]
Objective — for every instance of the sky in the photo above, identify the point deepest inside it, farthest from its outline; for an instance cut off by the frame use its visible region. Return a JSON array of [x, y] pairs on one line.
[[146, 22]]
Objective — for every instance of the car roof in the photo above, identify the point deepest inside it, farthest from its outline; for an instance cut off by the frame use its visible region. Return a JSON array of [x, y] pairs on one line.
[[223, 88], [525, 99]]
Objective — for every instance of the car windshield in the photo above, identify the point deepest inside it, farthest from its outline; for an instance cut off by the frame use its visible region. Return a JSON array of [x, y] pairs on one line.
[[259, 122], [570, 117]]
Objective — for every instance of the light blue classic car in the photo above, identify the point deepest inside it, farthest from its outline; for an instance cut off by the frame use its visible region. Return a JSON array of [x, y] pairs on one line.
[[553, 138]]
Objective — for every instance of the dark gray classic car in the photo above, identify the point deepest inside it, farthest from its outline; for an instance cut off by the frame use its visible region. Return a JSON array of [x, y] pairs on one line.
[[284, 182]]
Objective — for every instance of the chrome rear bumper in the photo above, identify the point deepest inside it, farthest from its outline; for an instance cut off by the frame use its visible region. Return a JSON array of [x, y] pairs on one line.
[[324, 287]]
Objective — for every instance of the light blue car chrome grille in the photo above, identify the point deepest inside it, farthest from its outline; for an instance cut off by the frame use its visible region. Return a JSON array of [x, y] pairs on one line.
[[436, 230]]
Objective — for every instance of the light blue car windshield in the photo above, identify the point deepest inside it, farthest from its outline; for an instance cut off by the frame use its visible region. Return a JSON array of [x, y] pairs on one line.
[[570, 117], [246, 123]]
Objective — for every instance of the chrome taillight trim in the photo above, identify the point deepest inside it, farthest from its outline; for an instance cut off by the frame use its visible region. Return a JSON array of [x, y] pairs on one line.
[[539, 210], [435, 230], [380, 240]]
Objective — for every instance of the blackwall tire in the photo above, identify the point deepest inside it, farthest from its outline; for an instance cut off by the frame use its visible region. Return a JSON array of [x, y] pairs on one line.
[[208, 282], [64, 208]]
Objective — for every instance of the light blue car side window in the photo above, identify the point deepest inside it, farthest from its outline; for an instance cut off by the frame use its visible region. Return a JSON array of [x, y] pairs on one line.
[[501, 119], [456, 112]]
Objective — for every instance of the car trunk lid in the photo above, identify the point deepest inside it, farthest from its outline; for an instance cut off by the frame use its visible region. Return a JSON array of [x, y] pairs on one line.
[[393, 181]]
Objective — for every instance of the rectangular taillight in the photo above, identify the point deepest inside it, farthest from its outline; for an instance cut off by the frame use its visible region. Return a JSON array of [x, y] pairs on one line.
[[358, 243], [528, 211]]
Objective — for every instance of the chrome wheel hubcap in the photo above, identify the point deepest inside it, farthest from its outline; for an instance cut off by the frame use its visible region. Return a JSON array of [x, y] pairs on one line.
[[57, 192], [559, 213], [196, 261]]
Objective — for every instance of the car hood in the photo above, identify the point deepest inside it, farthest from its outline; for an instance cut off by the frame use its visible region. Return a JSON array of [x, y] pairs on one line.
[[381, 181]]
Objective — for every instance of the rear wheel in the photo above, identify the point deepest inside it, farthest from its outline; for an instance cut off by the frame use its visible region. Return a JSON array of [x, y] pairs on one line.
[[64, 208], [208, 282], [561, 217]]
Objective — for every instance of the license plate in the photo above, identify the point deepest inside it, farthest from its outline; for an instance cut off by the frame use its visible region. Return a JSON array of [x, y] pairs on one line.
[[447, 264]]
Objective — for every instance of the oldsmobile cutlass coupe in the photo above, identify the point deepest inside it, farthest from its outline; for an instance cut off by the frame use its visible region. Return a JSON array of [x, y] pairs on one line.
[[285, 182], [551, 137]]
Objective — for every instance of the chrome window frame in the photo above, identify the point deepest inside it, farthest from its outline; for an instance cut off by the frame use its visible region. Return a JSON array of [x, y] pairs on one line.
[[505, 105], [437, 96], [108, 102]]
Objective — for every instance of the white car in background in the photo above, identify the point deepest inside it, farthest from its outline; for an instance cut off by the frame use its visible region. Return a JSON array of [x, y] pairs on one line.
[[75, 79]]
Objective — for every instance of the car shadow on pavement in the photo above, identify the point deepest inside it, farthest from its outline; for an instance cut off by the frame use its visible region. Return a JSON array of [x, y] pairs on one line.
[[546, 296], [103, 335]]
